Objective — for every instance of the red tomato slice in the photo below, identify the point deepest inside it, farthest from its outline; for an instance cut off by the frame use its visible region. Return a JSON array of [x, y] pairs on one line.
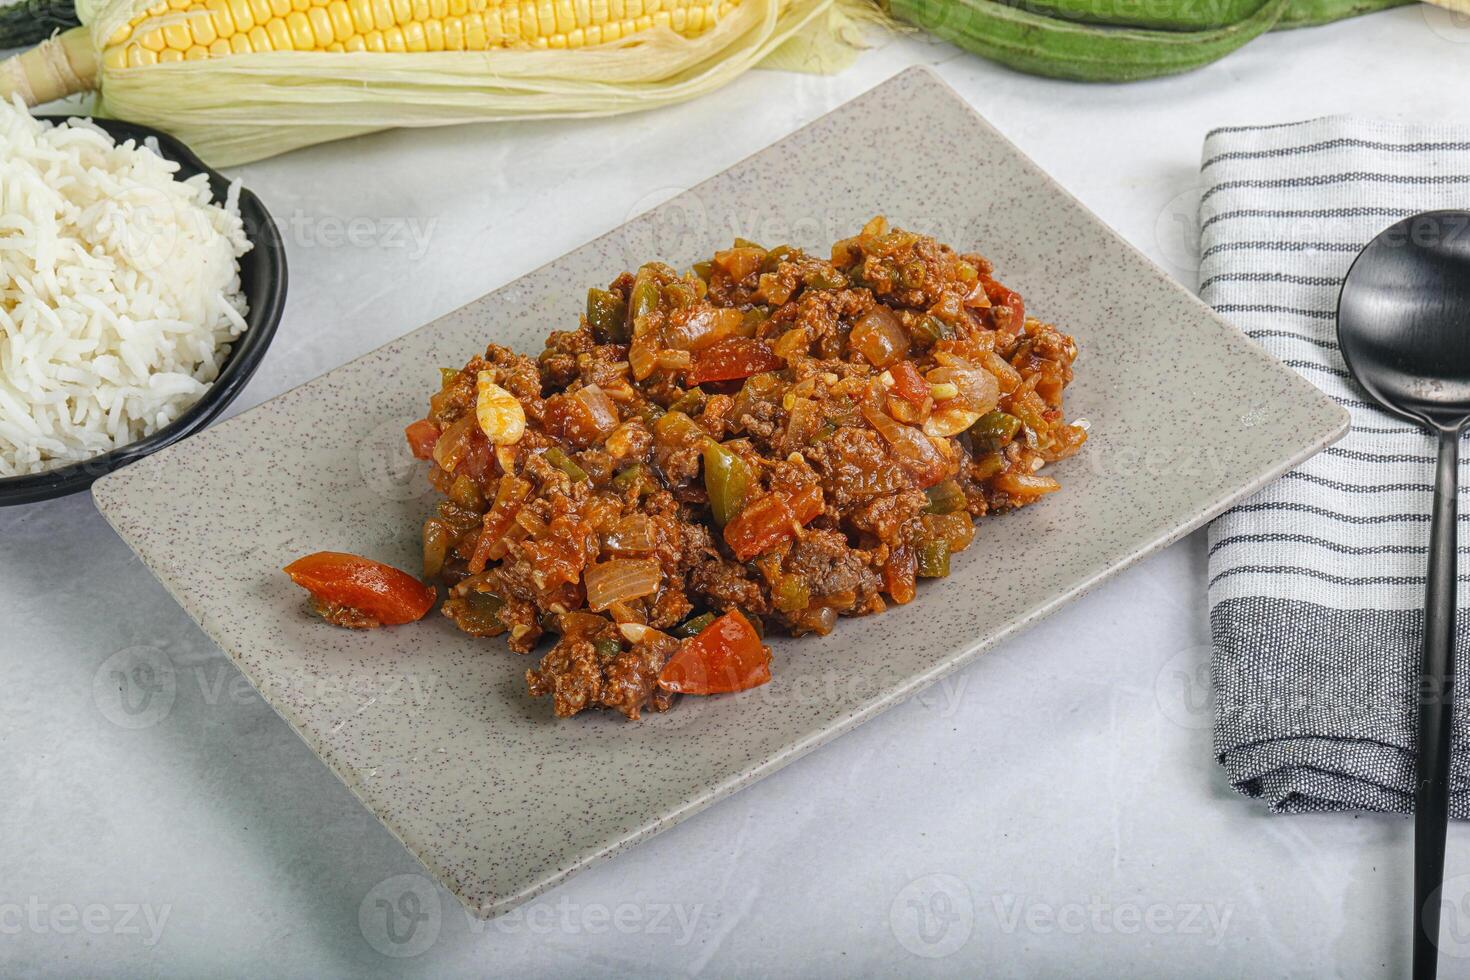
[[908, 383], [1001, 296], [733, 359], [770, 520], [381, 591], [422, 435], [726, 656]]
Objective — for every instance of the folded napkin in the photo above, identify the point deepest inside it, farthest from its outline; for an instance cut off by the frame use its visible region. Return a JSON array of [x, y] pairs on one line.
[[1316, 584]]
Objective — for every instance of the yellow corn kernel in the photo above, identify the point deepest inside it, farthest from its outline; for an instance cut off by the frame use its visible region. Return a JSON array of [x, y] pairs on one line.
[[279, 8], [617, 11], [612, 31], [633, 9], [592, 33], [438, 9], [170, 54], [260, 10], [241, 19], [240, 43], [139, 56], [382, 14], [529, 29], [219, 17], [152, 40], [321, 26], [402, 12], [341, 20], [458, 8], [453, 34], [336, 48], [219, 48], [355, 43], [301, 6], [362, 15], [119, 36], [302, 37], [563, 17], [176, 35], [478, 6], [374, 41], [510, 22], [474, 32], [196, 53], [280, 37], [260, 41], [413, 36], [115, 56], [420, 10], [201, 28], [494, 32], [393, 40], [434, 35]]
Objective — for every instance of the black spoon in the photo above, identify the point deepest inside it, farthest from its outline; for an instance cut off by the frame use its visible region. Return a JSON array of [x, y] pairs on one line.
[[1403, 323]]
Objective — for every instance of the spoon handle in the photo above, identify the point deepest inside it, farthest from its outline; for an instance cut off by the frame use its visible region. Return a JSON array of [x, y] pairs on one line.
[[1436, 703]]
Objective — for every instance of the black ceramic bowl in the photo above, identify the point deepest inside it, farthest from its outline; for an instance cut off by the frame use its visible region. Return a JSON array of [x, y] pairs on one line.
[[263, 280]]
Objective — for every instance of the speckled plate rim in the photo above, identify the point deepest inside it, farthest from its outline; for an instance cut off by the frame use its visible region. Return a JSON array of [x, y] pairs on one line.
[[912, 683]]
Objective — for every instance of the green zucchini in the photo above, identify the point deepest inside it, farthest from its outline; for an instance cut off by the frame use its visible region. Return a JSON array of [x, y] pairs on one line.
[[1198, 15], [1165, 15], [1083, 52], [1310, 13], [24, 22]]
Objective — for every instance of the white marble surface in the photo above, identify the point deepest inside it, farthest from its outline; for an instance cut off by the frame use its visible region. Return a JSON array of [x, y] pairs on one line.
[[1053, 808]]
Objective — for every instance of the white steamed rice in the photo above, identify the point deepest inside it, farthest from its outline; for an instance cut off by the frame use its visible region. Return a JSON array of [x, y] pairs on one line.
[[119, 291]]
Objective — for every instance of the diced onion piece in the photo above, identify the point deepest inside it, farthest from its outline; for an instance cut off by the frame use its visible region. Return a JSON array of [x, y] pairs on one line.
[[914, 450], [600, 414], [975, 387], [949, 420], [741, 261], [880, 337], [620, 580], [454, 443], [499, 412], [706, 327], [631, 535]]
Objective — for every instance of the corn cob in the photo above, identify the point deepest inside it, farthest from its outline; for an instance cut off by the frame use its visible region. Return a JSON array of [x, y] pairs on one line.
[[179, 30]]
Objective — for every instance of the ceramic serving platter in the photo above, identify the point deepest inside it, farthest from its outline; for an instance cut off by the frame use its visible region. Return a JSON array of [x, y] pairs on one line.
[[433, 729]]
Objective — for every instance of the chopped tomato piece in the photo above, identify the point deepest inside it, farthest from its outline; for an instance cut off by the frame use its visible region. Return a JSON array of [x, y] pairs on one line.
[[1001, 296], [379, 591], [422, 435], [724, 657], [771, 519], [733, 359], [898, 574], [908, 383]]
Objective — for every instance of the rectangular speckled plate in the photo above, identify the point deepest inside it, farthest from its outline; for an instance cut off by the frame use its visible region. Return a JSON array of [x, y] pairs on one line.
[[433, 730]]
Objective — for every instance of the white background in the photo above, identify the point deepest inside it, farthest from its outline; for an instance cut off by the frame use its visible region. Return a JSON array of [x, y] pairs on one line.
[[1055, 807]]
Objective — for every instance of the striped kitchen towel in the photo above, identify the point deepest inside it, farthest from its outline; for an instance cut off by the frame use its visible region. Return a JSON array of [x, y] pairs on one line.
[[1316, 584]]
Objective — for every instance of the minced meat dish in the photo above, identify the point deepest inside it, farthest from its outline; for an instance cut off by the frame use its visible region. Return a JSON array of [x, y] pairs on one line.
[[771, 440]]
